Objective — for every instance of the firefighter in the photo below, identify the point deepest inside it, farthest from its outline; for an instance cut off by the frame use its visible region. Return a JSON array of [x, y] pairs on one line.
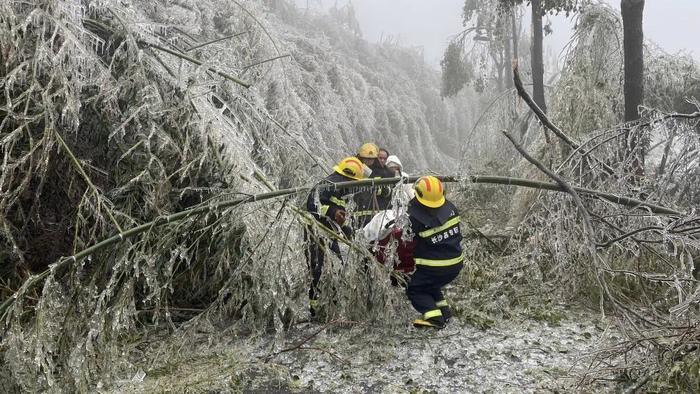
[[374, 199], [438, 252], [368, 154], [329, 211]]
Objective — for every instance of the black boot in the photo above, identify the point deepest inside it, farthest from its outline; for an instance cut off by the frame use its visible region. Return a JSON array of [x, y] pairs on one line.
[[445, 310], [446, 313]]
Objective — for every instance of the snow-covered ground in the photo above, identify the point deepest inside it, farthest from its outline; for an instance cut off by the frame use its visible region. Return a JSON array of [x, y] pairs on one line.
[[527, 356], [518, 356]]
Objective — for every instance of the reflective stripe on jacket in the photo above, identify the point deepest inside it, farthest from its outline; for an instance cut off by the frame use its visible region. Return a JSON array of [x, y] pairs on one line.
[[329, 200], [438, 234]]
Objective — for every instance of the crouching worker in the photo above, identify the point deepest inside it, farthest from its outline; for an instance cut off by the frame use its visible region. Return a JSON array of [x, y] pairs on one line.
[[329, 211], [438, 251]]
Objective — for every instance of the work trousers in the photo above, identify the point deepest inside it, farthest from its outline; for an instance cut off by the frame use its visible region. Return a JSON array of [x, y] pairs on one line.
[[424, 290], [316, 247]]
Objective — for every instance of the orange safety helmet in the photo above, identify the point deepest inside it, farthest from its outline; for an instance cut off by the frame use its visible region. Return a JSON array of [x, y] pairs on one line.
[[429, 192], [351, 167], [368, 151]]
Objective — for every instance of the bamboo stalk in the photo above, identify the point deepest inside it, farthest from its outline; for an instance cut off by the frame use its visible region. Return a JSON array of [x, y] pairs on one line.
[[142, 228], [538, 111], [265, 61], [587, 224], [499, 180], [215, 41], [545, 120], [309, 220], [82, 172], [257, 21], [179, 54], [503, 180], [197, 62]]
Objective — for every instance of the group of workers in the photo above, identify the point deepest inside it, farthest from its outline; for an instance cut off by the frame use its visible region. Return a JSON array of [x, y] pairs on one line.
[[431, 258]]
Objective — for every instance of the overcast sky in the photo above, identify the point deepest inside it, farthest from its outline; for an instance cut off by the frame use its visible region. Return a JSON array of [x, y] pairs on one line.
[[673, 24]]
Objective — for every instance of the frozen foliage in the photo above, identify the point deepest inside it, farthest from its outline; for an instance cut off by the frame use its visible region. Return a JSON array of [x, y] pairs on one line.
[[592, 69], [643, 267], [118, 114], [353, 92], [632, 264]]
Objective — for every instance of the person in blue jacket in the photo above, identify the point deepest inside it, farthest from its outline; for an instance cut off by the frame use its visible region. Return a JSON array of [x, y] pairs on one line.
[[373, 199], [328, 208], [438, 252]]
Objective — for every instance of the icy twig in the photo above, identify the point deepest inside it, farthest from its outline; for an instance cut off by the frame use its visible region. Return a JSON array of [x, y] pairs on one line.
[[197, 62], [312, 336], [264, 61], [215, 41], [87, 180]]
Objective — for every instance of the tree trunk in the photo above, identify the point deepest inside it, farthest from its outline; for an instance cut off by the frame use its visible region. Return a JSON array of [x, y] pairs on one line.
[[515, 31], [634, 56], [499, 62], [509, 55], [632, 12], [536, 54]]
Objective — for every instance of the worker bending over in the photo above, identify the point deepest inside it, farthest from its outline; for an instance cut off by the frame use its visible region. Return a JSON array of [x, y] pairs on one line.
[[329, 211], [438, 251], [376, 198]]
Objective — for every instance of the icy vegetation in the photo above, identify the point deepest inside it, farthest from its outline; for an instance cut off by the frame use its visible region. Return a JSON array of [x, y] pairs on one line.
[[523, 356], [119, 115], [143, 234]]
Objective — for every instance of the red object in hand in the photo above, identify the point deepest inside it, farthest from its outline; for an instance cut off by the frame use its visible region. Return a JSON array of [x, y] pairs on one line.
[[404, 251]]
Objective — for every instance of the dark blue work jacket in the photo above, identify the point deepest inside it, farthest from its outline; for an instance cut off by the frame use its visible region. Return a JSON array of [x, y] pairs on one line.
[[329, 199], [437, 232]]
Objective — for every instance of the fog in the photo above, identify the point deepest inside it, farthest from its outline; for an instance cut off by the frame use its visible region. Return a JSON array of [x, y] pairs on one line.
[[430, 24], [165, 163]]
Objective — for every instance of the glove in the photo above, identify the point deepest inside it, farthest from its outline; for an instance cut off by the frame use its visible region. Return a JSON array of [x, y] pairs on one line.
[[366, 170]]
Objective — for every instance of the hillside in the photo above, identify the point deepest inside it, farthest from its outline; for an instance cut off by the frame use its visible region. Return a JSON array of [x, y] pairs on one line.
[[156, 156], [120, 114]]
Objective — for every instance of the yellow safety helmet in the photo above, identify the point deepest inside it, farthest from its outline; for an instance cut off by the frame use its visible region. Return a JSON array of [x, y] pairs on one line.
[[351, 167], [429, 191], [368, 151]]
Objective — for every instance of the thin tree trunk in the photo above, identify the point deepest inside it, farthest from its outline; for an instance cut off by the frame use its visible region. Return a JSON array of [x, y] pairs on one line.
[[515, 34], [500, 65], [515, 31], [662, 166], [536, 54], [508, 54], [632, 13]]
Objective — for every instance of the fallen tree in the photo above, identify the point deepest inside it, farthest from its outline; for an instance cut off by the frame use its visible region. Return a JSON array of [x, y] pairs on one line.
[[656, 254]]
